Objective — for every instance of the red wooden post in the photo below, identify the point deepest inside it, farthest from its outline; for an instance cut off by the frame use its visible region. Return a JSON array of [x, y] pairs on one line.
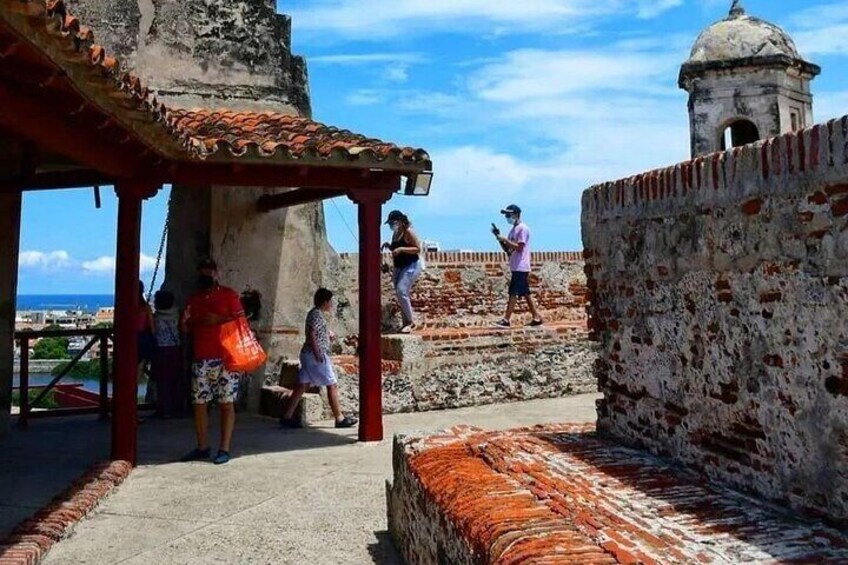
[[11, 201], [370, 314], [104, 376], [125, 380]]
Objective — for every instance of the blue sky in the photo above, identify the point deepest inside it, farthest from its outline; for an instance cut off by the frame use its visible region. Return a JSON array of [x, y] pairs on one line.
[[527, 102]]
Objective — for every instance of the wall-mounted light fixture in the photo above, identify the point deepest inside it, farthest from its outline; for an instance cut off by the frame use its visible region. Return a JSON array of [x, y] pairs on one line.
[[418, 184]]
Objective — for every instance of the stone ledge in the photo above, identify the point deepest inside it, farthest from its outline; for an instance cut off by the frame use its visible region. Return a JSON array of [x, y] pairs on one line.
[[275, 400], [33, 538], [561, 494]]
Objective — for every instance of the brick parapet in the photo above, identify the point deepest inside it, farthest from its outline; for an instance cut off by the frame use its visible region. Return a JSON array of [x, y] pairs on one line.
[[465, 257], [467, 290], [769, 167], [559, 493]]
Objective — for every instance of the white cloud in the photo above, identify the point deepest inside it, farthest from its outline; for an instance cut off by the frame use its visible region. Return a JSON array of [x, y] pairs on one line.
[[106, 265], [396, 73], [99, 265], [394, 67], [364, 97], [62, 262], [652, 8], [565, 119], [830, 105], [539, 74], [368, 59], [825, 40], [44, 261], [822, 30], [392, 18]]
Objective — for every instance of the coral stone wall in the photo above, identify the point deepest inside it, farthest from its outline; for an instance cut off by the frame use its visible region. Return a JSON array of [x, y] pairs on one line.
[[470, 289], [719, 297]]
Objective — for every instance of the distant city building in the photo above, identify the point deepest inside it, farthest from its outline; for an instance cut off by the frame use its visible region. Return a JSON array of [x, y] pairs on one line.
[[104, 315]]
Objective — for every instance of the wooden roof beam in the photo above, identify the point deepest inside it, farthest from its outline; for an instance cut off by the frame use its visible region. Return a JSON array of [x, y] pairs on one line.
[[38, 122], [318, 177], [58, 180]]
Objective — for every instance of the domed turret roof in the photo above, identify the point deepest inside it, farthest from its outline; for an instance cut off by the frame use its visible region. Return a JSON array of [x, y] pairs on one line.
[[740, 36]]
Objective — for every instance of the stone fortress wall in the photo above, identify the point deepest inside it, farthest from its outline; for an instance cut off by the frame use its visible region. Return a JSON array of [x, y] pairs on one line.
[[456, 359], [719, 299]]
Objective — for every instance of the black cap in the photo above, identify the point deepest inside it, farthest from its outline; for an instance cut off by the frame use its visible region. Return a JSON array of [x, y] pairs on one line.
[[512, 209], [396, 216], [207, 264]]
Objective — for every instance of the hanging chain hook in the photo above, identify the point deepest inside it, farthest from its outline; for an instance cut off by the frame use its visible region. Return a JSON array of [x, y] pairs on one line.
[[161, 247]]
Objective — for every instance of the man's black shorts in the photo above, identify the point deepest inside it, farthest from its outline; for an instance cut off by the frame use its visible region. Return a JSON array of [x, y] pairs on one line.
[[519, 285]]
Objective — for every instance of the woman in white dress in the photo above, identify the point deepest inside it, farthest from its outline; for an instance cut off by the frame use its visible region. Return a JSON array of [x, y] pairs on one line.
[[316, 368]]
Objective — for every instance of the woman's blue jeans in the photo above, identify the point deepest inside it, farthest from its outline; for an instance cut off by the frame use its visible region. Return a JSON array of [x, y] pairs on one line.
[[404, 280]]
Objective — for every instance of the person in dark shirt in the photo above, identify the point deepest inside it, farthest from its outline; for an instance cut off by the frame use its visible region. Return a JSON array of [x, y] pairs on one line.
[[406, 256]]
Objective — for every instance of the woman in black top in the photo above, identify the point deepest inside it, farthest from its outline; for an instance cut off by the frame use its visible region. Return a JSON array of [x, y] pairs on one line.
[[406, 255]]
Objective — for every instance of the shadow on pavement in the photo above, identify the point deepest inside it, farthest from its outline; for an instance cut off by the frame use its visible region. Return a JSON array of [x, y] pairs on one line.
[[38, 463], [383, 552]]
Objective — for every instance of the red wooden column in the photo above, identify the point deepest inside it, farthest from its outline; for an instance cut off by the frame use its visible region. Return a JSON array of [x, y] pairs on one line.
[[11, 200], [370, 204], [125, 379]]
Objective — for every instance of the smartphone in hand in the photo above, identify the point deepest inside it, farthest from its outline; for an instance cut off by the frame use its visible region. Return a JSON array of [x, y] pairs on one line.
[[495, 230]]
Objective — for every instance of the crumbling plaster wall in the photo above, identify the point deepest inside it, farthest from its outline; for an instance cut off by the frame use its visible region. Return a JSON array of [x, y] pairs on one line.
[[283, 254], [205, 53], [719, 296], [227, 55]]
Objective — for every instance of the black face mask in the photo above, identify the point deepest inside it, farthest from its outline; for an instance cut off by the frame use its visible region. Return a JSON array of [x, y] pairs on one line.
[[205, 282]]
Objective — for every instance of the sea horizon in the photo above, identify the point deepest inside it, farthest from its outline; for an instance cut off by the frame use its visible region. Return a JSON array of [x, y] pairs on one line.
[[85, 302]]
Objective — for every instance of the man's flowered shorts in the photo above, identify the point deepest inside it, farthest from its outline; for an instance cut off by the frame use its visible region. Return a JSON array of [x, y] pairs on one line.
[[213, 381]]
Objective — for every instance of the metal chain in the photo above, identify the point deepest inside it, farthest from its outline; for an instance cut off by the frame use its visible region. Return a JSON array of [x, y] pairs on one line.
[[161, 247]]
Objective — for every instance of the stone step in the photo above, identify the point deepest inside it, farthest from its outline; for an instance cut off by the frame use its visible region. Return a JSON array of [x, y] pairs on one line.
[[274, 401]]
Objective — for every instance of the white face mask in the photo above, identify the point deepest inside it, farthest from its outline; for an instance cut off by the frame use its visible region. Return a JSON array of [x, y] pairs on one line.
[[512, 220], [395, 227]]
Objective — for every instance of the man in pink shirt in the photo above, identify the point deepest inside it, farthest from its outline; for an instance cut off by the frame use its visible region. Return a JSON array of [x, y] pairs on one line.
[[517, 246]]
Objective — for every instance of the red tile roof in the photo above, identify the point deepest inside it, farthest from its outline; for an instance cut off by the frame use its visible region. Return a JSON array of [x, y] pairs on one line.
[[192, 134], [209, 133]]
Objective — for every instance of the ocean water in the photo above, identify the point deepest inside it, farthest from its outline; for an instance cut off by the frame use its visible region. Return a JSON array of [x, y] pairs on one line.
[[85, 302]]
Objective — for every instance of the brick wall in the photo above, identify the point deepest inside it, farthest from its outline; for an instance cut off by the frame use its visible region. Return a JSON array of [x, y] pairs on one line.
[[719, 298], [469, 289]]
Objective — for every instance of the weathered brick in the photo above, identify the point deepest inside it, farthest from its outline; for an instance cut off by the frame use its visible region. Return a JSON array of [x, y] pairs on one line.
[[752, 207]]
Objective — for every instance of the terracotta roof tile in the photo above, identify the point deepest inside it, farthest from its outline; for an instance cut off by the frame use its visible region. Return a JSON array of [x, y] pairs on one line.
[[269, 134], [207, 134]]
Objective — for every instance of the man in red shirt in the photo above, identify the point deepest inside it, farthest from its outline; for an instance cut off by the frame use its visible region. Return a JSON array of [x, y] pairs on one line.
[[207, 310]]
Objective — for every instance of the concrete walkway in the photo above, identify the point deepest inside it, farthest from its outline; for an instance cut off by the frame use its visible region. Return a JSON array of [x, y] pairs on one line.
[[304, 496]]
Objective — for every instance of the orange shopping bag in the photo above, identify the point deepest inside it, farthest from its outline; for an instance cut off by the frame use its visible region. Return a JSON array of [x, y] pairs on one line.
[[242, 352]]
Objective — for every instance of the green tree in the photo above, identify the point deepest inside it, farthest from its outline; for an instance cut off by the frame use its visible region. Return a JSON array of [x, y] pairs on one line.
[[84, 370], [48, 402], [51, 348]]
